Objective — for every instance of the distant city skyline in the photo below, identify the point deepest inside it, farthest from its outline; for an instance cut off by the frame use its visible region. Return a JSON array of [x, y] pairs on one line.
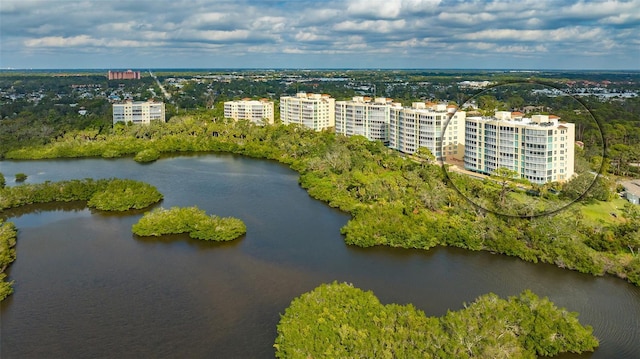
[[442, 34]]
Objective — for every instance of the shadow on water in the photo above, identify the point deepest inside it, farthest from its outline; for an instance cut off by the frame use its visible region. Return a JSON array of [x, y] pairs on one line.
[[172, 239], [131, 212], [75, 206]]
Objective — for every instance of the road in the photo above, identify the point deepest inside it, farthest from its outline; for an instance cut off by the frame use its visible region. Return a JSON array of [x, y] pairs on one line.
[[164, 91]]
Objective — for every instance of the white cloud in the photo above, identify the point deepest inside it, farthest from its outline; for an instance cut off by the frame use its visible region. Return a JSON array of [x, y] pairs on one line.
[[215, 35], [520, 49], [310, 36], [621, 19], [595, 9], [389, 9], [84, 41], [269, 23], [59, 41], [207, 18], [378, 9], [563, 34], [466, 18], [373, 26]]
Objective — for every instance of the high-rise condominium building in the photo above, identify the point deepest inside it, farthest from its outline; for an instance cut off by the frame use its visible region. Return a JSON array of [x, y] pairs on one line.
[[123, 75], [311, 110], [438, 127], [539, 149], [364, 116], [138, 112], [252, 110]]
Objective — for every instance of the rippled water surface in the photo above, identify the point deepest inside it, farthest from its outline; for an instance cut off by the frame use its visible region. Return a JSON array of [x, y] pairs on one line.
[[85, 286]]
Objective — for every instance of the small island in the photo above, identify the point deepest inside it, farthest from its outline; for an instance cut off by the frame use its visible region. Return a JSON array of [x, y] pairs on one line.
[[191, 220], [341, 321], [113, 194], [146, 156]]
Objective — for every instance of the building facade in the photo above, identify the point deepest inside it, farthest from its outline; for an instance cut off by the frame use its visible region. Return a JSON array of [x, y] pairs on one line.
[[138, 112], [123, 75], [253, 110], [632, 191], [438, 127], [308, 109], [364, 116], [539, 149]]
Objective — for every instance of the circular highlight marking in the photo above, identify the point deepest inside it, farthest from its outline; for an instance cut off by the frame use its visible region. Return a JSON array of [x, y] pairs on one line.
[[507, 173]]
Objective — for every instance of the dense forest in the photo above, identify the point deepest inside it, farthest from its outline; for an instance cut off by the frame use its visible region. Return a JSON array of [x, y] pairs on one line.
[[189, 220], [340, 321]]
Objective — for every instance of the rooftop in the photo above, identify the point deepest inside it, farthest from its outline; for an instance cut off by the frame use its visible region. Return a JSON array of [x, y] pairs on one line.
[[632, 186]]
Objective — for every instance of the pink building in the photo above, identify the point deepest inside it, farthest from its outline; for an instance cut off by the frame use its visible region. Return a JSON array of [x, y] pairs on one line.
[[123, 75]]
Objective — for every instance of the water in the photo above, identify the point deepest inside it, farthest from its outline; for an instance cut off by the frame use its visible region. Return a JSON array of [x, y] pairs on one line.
[[87, 287]]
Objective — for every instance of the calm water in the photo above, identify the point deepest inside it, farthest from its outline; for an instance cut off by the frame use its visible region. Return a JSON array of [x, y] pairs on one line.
[[86, 287]]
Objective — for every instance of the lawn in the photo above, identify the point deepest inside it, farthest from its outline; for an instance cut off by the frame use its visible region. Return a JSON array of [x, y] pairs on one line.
[[598, 212]]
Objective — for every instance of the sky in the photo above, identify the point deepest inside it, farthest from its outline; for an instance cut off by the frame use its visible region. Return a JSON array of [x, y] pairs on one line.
[[430, 34]]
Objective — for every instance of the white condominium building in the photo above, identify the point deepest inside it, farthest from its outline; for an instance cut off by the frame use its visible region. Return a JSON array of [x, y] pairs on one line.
[[438, 127], [364, 116], [310, 110], [540, 149], [252, 110], [138, 112]]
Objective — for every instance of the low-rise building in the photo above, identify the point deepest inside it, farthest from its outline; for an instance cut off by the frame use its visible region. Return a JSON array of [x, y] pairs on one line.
[[539, 149], [632, 191], [364, 116], [138, 112], [256, 111], [437, 127], [311, 110]]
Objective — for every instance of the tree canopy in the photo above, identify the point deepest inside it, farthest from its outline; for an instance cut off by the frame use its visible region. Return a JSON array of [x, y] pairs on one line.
[[341, 321], [189, 220]]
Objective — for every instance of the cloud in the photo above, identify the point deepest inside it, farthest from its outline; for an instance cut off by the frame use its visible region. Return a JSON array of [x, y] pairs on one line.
[[389, 9], [59, 41], [571, 34], [598, 9], [84, 41], [371, 26], [39, 33], [460, 18]]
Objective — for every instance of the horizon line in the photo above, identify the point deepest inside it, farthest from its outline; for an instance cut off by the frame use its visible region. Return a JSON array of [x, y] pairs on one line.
[[321, 69]]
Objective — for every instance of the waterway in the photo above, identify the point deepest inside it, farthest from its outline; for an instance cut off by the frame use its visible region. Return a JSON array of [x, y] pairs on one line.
[[85, 286]]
